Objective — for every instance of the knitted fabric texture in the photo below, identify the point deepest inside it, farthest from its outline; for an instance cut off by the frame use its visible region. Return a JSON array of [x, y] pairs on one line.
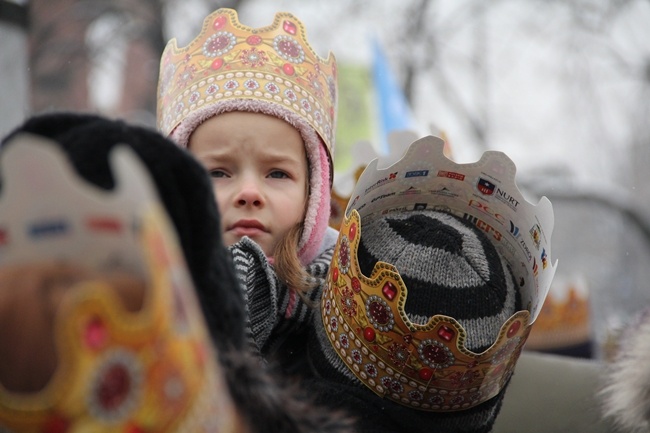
[[448, 266], [274, 311]]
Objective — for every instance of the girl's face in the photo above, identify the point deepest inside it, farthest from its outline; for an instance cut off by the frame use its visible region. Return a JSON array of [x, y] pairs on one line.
[[259, 170]]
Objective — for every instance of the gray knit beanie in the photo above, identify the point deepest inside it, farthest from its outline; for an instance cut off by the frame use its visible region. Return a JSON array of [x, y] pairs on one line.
[[449, 267]]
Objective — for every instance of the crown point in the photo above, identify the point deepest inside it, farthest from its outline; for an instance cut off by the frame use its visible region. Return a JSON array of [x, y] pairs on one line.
[[289, 27]]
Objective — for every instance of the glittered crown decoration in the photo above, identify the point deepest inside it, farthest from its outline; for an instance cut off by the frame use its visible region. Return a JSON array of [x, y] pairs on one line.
[[428, 367], [150, 370], [228, 60]]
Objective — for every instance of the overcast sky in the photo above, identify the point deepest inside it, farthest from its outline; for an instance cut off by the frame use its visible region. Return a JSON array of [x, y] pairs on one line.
[[554, 95]]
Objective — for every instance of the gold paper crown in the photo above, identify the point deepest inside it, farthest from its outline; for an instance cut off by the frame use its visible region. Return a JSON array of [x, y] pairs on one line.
[[151, 370], [229, 61], [428, 367]]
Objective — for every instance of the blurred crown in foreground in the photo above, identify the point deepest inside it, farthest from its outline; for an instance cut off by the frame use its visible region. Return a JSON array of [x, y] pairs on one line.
[[150, 370]]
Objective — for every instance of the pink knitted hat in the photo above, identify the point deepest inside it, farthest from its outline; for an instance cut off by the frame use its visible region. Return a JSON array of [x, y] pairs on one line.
[[270, 70]]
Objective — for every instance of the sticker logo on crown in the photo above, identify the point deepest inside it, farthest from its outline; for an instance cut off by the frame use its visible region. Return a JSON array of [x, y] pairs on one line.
[[428, 367], [229, 61]]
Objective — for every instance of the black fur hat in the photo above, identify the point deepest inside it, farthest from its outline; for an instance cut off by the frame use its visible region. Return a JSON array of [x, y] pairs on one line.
[[184, 189]]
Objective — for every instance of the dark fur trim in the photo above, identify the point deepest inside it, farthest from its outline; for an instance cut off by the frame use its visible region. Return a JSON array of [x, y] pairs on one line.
[[271, 404]]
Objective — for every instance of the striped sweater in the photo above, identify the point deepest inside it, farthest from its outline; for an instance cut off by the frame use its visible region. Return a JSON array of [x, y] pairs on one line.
[[275, 312]]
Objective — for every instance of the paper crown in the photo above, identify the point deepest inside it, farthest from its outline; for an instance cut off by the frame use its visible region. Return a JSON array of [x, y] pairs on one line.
[[151, 370], [227, 61], [428, 367]]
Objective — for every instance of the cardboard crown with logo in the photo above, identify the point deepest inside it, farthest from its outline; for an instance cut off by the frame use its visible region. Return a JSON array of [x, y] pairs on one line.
[[435, 371]]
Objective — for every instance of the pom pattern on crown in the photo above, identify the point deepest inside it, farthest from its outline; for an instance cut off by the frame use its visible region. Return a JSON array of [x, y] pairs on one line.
[[426, 367], [227, 61]]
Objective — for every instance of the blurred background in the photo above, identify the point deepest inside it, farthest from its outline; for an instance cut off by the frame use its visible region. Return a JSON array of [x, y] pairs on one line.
[[562, 87]]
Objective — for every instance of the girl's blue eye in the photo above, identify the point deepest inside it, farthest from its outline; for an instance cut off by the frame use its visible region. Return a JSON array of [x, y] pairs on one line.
[[278, 174], [218, 173]]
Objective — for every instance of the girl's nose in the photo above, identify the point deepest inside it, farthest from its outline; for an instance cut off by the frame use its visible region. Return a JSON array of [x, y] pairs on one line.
[[249, 195]]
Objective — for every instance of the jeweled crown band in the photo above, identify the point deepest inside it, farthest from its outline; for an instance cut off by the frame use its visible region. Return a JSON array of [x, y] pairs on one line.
[[230, 61], [426, 367]]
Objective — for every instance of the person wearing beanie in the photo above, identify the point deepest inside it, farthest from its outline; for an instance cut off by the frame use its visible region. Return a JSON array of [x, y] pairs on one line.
[[153, 360], [426, 303], [449, 268], [257, 107]]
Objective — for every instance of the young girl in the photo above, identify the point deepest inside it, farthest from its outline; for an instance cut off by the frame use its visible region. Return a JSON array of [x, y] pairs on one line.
[[257, 107]]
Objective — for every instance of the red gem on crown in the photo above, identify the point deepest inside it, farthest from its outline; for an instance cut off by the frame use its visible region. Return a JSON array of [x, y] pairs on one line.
[[219, 22], [425, 374], [254, 40], [446, 333], [289, 27], [389, 290], [369, 334]]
